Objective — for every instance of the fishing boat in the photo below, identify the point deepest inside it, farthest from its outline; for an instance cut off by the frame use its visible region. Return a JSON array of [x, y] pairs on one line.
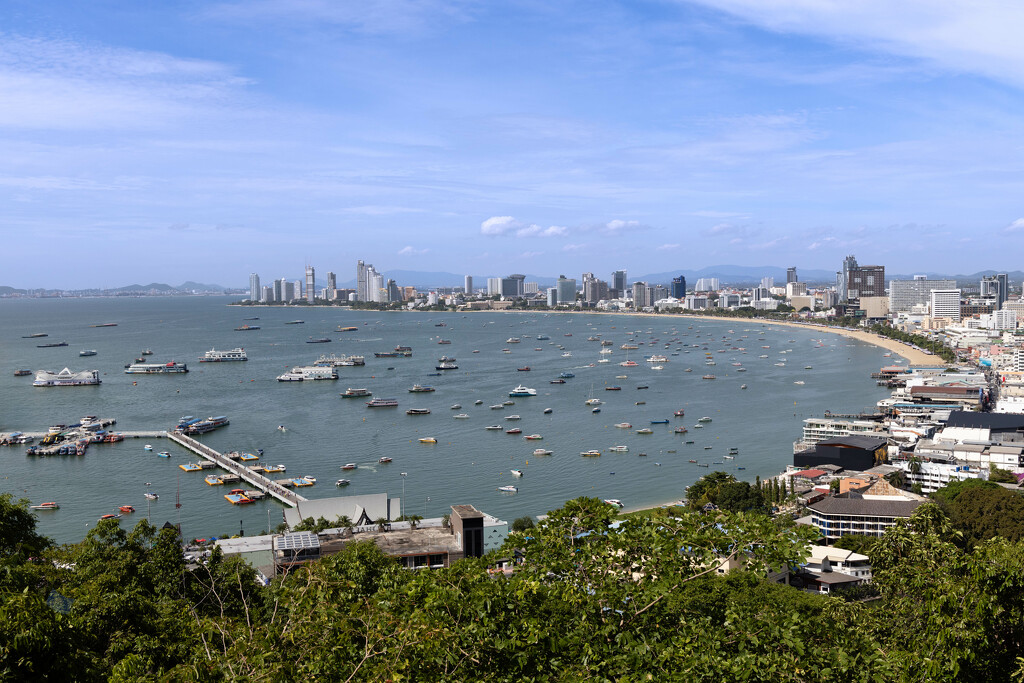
[[22, 373]]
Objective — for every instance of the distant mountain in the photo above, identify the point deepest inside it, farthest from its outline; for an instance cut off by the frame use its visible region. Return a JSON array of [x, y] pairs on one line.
[[428, 279], [736, 275], [200, 287]]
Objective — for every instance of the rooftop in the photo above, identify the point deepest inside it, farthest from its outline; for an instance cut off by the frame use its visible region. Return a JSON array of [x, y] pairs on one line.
[[856, 505], [868, 443]]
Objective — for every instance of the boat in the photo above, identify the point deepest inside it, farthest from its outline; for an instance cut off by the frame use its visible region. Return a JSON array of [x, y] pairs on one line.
[[799, 381], [51, 345], [420, 389], [523, 391], [542, 451], [514, 430], [247, 328], [444, 341], [478, 402], [382, 403], [384, 459], [743, 386], [355, 393], [295, 322], [523, 369], [318, 340], [613, 388], [566, 375], [533, 437], [87, 352], [557, 381], [143, 368], [680, 430], [35, 335], [596, 410], [624, 425], [215, 356], [349, 466], [497, 406], [548, 411], [106, 517], [594, 453], [508, 489], [164, 454], [645, 430], [708, 377], [147, 447], [679, 413], [46, 506], [659, 422], [616, 502], [126, 509], [66, 378], [22, 373], [593, 402], [446, 363], [619, 449], [629, 364], [512, 417], [516, 473], [457, 406], [643, 386], [704, 419], [729, 457], [512, 340], [461, 416], [418, 411], [207, 425], [493, 428], [348, 329], [343, 482], [308, 372], [255, 318], [640, 403]]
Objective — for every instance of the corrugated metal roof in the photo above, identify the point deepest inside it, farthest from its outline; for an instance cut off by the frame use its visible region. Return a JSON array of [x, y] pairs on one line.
[[839, 505], [1000, 422]]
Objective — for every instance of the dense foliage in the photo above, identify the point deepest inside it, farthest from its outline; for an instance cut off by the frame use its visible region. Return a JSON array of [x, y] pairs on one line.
[[640, 599], [981, 510]]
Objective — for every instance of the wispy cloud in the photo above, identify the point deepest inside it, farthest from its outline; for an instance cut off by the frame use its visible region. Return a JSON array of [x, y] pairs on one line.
[[498, 225], [1015, 226], [504, 225], [410, 251], [367, 16], [668, 247], [537, 231]]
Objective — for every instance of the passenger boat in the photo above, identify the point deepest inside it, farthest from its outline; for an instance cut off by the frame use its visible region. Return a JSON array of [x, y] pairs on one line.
[[140, 367], [542, 451], [523, 391], [382, 403], [384, 459], [508, 489], [349, 466], [497, 406], [596, 410], [629, 364], [420, 389], [512, 340], [446, 363], [428, 439], [418, 411], [594, 453], [207, 425], [215, 356], [456, 406], [308, 372], [46, 506], [66, 378], [593, 402], [356, 393]]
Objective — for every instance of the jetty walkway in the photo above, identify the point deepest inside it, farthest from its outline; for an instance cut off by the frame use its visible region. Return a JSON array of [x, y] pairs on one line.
[[264, 484]]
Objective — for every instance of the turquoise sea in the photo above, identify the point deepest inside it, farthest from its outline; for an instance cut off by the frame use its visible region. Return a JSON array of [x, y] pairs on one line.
[[468, 463]]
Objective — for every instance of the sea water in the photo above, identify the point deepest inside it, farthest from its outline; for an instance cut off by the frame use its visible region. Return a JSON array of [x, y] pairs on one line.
[[321, 431]]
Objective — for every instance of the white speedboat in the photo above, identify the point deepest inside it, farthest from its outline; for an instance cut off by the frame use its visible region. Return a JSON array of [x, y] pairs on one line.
[[516, 473], [615, 501], [542, 451], [461, 416], [509, 489]]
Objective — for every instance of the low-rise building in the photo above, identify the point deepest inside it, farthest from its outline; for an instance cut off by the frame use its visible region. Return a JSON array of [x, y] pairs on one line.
[[857, 514]]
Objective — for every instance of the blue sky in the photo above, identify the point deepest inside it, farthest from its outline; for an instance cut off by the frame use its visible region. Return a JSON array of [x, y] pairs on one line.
[[169, 141]]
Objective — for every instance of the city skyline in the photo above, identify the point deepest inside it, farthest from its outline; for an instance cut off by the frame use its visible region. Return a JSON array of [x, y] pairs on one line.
[[168, 143]]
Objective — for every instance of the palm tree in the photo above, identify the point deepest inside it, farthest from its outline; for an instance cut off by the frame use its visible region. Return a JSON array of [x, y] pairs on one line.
[[382, 523], [345, 522], [413, 520]]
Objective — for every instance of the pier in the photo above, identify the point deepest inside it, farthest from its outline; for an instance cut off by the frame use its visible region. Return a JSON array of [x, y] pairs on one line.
[[257, 480]]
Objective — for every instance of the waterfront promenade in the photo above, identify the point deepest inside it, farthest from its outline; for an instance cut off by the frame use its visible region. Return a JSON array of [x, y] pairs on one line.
[[258, 480]]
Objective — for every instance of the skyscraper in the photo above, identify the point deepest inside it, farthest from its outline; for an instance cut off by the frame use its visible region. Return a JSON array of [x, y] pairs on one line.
[[843, 279], [393, 293], [493, 286], [905, 294], [791, 274], [566, 290], [332, 284], [640, 295], [679, 287], [469, 285], [361, 269], [310, 284], [1004, 289], [946, 304], [619, 281], [254, 287]]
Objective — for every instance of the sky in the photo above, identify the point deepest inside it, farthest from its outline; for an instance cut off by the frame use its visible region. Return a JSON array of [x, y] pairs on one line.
[[170, 141]]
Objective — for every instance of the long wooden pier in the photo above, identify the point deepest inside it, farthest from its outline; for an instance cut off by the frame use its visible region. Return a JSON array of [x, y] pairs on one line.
[[257, 480]]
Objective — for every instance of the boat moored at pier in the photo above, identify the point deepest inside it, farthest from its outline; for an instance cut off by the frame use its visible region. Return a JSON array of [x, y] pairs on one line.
[[66, 378]]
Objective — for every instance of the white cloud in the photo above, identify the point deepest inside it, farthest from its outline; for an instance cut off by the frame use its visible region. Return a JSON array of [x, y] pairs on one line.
[[619, 224], [409, 251], [1015, 226], [498, 225], [531, 254], [668, 247], [574, 247], [537, 231], [980, 36]]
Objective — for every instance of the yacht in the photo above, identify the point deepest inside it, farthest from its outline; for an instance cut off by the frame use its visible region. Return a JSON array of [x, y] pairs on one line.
[[308, 372], [508, 489], [542, 451], [523, 391]]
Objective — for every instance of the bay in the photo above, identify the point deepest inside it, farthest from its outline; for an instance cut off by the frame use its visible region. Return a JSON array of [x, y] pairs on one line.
[[468, 463]]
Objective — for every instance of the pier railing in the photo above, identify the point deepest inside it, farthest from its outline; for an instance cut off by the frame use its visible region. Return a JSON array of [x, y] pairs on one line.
[[257, 480]]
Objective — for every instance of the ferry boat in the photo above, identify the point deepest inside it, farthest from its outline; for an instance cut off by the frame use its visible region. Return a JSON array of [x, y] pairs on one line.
[[382, 403], [523, 391], [66, 378], [207, 425], [418, 411], [356, 393], [421, 389], [215, 356], [446, 363], [87, 352], [308, 372], [52, 345], [247, 328], [22, 373], [171, 368], [339, 361]]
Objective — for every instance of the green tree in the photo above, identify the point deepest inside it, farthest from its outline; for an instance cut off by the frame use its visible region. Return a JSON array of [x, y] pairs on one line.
[[522, 524]]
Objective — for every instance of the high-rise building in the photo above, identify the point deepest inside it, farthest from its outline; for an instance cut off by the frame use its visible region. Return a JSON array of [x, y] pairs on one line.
[[375, 290], [393, 293], [310, 284], [946, 304], [332, 283], [1004, 288], [566, 290], [995, 287], [658, 292], [619, 282], [905, 294], [468, 288], [843, 278], [530, 288], [791, 274], [594, 290], [363, 289], [254, 287], [288, 290], [552, 296], [493, 286], [707, 284], [679, 287], [279, 290], [512, 286], [862, 280], [267, 295], [641, 295], [767, 282]]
